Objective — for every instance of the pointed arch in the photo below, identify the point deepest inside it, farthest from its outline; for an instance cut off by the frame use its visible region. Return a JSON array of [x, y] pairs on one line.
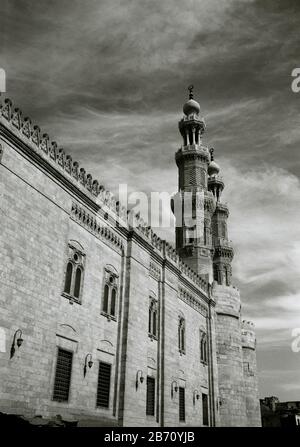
[[109, 304], [74, 272]]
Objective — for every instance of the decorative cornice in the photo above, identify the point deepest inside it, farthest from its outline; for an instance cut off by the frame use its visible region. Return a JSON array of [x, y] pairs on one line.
[[192, 301], [102, 232], [154, 271]]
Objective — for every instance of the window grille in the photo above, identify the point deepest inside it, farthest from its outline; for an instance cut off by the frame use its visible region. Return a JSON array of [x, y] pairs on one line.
[[205, 409], [181, 404], [103, 389], [150, 401], [62, 375]]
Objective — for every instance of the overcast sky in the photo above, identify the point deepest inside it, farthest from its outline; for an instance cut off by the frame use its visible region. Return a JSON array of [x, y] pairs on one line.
[[107, 79]]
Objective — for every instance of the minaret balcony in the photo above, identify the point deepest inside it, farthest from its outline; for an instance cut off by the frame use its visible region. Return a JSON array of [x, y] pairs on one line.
[[194, 147], [216, 180], [222, 241], [223, 248], [193, 151], [222, 208], [193, 117]]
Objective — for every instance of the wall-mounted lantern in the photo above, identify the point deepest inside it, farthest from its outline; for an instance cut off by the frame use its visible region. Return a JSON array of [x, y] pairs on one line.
[[88, 362], [196, 395], [174, 387], [139, 378], [18, 340]]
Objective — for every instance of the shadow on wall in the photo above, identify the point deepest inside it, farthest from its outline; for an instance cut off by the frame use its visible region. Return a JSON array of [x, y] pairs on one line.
[[14, 421]]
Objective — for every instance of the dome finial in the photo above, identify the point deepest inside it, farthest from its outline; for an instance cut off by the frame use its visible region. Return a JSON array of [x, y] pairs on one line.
[[190, 89], [213, 167], [191, 107]]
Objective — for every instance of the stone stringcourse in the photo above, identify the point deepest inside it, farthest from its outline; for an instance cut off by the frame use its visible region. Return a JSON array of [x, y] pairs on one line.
[[41, 142], [80, 215], [188, 298]]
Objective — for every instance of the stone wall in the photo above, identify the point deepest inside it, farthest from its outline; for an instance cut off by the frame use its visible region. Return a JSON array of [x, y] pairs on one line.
[[229, 357], [250, 374], [35, 229]]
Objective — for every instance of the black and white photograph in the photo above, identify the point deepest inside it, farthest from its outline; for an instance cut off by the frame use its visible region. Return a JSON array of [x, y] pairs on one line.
[[149, 217]]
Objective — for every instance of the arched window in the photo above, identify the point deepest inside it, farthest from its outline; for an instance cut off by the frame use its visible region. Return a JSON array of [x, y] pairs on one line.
[[74, 272], [68, 279], [203, 347], [155, 323], [105, 298], [150, 320], [113, 302], [181, 335], [228, 275], [152, 326], [77, 282], [110, 293]]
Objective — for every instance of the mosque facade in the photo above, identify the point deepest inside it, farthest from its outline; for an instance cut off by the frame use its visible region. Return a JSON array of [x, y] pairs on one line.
[[100, 319]]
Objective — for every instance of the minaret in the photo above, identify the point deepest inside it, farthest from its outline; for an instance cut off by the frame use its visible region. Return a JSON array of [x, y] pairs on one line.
[[193, 205], [223, 251], [232, 397]]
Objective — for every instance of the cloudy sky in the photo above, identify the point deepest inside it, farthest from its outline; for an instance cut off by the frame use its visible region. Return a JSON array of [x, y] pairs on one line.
[[107, 79]]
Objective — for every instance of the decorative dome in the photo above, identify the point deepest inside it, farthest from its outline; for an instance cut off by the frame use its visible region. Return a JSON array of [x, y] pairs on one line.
[[191, 106], [213, 168]]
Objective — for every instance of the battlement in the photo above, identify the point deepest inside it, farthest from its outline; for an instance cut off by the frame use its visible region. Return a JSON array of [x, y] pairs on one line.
[[40, 142]]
